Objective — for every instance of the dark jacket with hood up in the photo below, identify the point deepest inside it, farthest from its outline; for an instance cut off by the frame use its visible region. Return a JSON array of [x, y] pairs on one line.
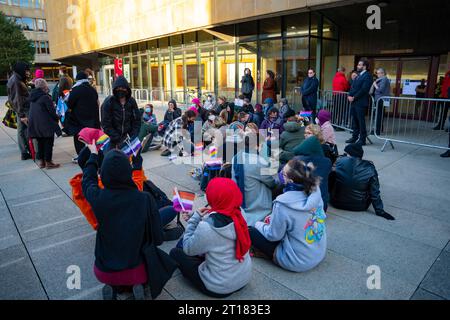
[[311, 151], [169, 116], [119, 121], [122, 212], [42, 118], [354, 185]]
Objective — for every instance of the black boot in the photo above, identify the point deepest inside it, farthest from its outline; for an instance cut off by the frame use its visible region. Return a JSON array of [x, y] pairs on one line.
[[352, 140], [446, 154]]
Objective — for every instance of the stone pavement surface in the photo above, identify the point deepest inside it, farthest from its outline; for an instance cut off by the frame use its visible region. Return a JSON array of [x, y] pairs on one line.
[[42, 232]]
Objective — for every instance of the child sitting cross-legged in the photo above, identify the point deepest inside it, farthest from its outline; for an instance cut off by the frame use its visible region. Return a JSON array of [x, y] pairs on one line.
[[294, 236]]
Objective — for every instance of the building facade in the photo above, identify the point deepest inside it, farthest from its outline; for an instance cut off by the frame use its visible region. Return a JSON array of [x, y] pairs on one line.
[[29, 14], [186, 48]]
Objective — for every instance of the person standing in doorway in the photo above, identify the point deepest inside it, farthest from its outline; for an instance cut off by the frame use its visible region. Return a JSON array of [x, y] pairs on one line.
[[359, 99], [309, 92], [18, 97], [380, 88], [269, 87], [248, 84]]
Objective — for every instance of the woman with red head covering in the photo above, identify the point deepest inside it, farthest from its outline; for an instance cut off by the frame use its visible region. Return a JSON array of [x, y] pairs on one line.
[[220, 235]]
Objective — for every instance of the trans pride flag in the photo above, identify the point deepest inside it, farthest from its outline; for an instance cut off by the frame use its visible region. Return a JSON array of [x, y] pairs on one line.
[[183, 200]]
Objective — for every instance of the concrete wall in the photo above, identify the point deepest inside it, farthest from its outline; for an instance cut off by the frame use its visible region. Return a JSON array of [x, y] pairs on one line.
[[81, 26]]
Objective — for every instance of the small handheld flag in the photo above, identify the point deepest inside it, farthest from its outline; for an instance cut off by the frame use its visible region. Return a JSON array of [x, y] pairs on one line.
[[183, 201], [132, 147]]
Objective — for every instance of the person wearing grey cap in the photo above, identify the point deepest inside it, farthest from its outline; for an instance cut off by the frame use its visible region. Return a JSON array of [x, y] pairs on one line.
[[354, 184]]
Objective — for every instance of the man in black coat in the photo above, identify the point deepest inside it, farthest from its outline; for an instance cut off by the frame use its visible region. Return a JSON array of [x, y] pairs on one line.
[[18, 96], [84, 109], [354, 184], [120, 114], [360, 101]]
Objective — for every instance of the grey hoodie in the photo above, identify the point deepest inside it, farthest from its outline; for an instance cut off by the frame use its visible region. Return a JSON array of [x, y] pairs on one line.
[[221, 272], [301, 248]]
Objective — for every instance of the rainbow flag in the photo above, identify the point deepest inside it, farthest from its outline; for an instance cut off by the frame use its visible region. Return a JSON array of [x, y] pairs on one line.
[[183, 200], [102, 142], [213, 152]]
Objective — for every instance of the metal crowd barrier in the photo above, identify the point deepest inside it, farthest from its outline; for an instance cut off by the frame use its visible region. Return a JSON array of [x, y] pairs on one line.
[[411, 121]]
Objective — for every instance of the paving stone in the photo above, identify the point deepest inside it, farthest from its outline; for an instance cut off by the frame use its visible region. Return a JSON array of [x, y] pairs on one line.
[[336, 278], [421, 294], [397, 256], [437, 280], [18, 279]]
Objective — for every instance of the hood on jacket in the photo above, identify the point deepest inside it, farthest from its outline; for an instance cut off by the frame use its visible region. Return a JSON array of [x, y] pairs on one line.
[[310, 147], [21, 68], [223, 227], [116, 171], [299, 201], [324, 116], [269, 103], [36, 94], [121, 82], [292, 126]]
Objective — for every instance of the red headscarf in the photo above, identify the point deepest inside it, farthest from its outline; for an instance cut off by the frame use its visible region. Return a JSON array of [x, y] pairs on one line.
[[225, 197], [89, 134]]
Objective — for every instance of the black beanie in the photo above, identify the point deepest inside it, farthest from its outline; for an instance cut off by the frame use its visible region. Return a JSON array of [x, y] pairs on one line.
[[355, 150], [290, 113], [81, 76]]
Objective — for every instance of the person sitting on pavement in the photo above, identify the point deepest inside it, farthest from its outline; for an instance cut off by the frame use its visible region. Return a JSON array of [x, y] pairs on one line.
[[268, 105], [247, 107], [311, 151], [215, 249], [210, 103], [294, 237], [43, 123], [354, 184], [123, 214], [273, 121], [328, 134], [120, 114], [292, 136], [258, 117], [172, 113], [224, 105], [149, 128], [174, 133], [202, 112], [248, 168], [284, 107]]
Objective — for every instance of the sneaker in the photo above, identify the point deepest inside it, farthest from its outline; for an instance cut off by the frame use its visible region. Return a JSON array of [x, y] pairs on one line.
[[51, 165], [165, 153], [109, 293], [173, 234], [138, 292], [157, 139]]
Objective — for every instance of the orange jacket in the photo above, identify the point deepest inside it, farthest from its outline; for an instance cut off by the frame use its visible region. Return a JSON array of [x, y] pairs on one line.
[[85, 208]]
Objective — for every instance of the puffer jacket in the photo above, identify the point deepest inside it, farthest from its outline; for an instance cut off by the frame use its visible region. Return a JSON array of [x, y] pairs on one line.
[[119, 121], [18, 95], [354, 185]]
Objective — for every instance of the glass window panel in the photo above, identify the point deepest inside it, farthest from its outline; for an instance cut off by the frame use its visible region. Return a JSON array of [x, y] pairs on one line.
[[329, 63], [144, 70], [28, 24], [248, 31], [271, 59], [226, 69], [204, 36], [135, 73], [270, 27], [248, 57], [207, 59], [329, 29], [297, 25], [189, 38], [296, 55]]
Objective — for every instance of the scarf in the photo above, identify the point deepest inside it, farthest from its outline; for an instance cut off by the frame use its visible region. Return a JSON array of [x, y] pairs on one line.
[[290, 186], [225, 198]]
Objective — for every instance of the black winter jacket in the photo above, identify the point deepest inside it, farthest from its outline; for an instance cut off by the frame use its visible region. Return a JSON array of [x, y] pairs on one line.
[[354, 185], [119, 121], [122, 212], [83, 103], [42, 118]]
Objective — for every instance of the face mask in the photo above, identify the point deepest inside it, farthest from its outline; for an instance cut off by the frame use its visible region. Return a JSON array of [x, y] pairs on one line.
[[148, 110], [317, 121], [121, 94]]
